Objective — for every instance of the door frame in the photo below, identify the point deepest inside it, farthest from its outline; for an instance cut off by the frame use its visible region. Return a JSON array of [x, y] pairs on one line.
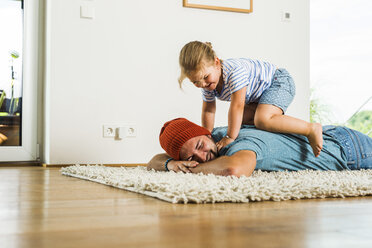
[[28, 151]]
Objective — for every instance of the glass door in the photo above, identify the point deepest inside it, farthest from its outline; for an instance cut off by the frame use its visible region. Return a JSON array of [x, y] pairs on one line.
[[18, 80], [340, 61]]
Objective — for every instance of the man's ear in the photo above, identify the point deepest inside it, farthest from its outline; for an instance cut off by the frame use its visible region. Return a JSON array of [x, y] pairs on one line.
[[217, 61]]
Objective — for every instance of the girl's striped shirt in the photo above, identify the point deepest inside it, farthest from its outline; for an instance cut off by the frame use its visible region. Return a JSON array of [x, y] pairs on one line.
[[237, 73]]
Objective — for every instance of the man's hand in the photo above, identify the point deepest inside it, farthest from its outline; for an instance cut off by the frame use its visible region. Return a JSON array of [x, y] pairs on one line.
[[183, 166], [223, 142]]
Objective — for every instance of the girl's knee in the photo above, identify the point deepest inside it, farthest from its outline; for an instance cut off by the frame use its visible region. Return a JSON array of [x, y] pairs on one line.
[[265, 121], [260, 122]]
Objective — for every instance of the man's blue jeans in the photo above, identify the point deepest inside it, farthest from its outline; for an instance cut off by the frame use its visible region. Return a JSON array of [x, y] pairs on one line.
[[357, 146]]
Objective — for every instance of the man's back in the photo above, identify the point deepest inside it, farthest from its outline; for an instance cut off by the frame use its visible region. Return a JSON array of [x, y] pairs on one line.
[[277, 152]]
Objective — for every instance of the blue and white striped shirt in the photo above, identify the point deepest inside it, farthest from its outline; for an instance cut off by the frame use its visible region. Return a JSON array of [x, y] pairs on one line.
[[239, 73]]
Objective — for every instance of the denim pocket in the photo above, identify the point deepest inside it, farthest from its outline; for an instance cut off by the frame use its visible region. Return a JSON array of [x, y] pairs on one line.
[[284, 81], [344, 139], [328, 128], [363, 143]]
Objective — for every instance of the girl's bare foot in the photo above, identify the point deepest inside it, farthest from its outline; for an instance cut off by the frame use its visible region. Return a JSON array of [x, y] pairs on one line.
[[315, 138]]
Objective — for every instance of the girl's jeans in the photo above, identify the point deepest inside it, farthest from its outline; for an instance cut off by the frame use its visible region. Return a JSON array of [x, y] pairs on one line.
[[357, 146]]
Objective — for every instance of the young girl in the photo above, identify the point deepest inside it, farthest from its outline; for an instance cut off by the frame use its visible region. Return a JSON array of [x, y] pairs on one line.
[[243, 81]]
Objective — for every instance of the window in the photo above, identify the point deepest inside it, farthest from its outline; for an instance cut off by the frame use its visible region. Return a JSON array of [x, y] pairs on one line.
[[340, 63]]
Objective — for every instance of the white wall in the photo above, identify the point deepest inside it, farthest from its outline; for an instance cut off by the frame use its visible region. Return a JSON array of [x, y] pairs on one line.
[[122, 67]]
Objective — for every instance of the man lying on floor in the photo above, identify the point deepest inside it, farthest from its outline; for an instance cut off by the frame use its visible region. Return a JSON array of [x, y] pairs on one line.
[[192, 148]]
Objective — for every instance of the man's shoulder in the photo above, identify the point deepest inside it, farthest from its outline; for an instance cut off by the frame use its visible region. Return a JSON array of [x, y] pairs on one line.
[[251, 133], [219, 132]]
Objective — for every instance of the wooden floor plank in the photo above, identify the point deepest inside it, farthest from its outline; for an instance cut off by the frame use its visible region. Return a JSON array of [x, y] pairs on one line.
[[41, 208]]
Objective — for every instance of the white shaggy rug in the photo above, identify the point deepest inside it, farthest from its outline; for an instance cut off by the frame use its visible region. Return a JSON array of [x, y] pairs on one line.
[[198, 188]]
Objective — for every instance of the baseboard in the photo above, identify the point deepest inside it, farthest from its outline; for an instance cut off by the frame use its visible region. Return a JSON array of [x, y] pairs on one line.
[[20, 164], [110, 165], [37, 163]]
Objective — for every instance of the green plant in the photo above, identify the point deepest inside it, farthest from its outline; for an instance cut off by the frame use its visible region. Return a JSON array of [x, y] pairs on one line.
[[319, 112], [362, 122], [14, 55]]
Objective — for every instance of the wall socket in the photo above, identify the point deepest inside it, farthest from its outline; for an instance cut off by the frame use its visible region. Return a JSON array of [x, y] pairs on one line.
[[109, 131], [127, 131], [119, 131]]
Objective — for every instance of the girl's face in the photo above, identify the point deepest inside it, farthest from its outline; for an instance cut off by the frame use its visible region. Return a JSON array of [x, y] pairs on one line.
[[208, 77]]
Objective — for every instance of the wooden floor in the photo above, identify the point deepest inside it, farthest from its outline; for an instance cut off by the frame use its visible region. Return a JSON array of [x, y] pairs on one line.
[[41, 208]]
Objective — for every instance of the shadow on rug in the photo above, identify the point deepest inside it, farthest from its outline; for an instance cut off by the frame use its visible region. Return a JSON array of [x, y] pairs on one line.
[[198, 188]]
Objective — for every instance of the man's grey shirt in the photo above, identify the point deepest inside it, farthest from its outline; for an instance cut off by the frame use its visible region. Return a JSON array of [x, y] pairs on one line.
[[277, 151]]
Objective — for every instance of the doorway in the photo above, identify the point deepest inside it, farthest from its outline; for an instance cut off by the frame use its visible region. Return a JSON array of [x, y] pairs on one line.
[[11, 30], [18, 80]]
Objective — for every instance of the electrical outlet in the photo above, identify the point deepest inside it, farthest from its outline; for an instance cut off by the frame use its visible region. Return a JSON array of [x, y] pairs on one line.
[[119, 131], [129, 130], [109, 131]]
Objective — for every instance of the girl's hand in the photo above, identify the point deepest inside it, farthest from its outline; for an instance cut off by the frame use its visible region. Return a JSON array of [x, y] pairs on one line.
[[223, 142], [183, 166]]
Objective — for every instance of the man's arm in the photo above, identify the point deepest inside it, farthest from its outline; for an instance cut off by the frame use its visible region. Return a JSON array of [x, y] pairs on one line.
[[242, 163], [157, 162]]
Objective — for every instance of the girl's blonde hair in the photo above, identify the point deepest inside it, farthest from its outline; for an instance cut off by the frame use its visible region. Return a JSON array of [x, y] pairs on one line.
[[192, 55]]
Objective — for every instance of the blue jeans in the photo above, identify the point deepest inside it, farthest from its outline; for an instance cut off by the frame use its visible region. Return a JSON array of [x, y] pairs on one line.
[[357, 146]]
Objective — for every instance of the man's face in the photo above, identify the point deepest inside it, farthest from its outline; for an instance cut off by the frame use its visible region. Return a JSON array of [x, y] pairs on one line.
[[200, 148]]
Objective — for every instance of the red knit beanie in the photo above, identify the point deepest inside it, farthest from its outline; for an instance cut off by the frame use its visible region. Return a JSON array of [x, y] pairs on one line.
[[176, 132]]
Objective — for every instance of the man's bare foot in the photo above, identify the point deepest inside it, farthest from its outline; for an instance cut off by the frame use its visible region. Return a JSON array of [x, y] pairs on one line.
[[315, 138]]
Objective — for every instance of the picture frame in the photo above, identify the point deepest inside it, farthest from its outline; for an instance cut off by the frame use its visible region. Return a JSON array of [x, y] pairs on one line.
[[243, 6]]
